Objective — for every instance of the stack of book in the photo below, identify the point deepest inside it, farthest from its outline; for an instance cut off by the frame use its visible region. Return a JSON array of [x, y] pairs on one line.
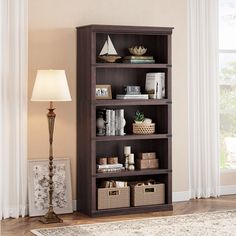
[[110, 168], [132, 96], [139, 59]]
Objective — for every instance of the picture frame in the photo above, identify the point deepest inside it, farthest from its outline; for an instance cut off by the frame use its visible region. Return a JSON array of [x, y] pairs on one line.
[[38, 187], [103, 91]]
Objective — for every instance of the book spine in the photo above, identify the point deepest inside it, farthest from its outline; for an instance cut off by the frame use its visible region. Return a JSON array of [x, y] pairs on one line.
[[139, 58], [111, 169], [112, 122], [108, 123], [116, 122], [139, 61], [160, 85], [109, 166]]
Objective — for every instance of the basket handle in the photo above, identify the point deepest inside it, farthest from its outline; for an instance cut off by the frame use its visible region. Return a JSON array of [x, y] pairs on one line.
[[114, 192], [149, 190]]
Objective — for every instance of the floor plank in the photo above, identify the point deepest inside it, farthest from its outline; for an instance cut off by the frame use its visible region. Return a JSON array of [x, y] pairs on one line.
[[22, 226]]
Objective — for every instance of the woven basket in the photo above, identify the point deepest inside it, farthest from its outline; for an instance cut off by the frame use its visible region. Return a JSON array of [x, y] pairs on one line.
[[143, 128]]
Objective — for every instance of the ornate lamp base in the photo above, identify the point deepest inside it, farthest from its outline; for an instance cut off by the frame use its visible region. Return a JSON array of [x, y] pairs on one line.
[[50, 217]]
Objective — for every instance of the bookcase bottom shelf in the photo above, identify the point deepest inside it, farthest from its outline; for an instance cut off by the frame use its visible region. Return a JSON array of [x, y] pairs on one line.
[[131, 210]]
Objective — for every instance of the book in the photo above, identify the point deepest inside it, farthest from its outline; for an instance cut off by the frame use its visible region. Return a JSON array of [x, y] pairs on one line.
[[111, 169], [109, 166], [112, 123], [132, 96], [134, 61], [155, 85], [108, 122], [138, 57]]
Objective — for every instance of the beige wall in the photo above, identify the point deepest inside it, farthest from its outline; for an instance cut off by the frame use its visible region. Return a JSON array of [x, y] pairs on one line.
[[52, 44]]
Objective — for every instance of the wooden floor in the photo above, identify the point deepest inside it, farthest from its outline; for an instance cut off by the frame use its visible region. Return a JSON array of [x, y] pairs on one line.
[[23, 226]]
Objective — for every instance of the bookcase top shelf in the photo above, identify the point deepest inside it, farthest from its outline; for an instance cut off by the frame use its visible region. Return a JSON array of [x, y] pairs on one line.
[[128, 29]]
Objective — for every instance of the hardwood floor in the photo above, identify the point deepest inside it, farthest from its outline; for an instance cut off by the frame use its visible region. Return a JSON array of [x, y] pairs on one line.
[[22, 226]]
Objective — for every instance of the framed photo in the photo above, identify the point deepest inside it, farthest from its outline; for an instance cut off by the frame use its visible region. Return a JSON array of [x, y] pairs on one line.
[[103, 91], [38, 186]]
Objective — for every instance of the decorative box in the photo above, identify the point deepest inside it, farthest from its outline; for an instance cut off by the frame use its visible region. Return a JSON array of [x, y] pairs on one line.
[[101, 160], [147, 155], [147, 164], [113, 198], [132, 89], [112, 160], [147, 194]]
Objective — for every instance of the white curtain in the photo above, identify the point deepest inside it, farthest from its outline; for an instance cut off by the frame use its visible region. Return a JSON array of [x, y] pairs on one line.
[[13, 108], [203, 98]]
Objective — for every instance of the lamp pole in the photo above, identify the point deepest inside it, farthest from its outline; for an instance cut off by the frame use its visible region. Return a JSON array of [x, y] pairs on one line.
[[51, 216]]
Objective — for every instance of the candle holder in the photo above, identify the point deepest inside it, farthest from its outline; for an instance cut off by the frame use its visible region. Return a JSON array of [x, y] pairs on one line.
[[127, 151], [131, 162]]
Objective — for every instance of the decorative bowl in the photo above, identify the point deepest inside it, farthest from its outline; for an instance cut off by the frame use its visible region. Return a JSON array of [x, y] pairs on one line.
[[138, 50]]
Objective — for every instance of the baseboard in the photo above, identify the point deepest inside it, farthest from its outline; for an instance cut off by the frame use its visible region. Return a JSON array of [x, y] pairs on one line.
[[227, 189], [74, 204], [180, 196]]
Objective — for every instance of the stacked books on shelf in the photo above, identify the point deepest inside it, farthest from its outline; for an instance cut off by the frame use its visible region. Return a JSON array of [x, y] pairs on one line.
[[114, 121], [110, 168], [132, 96], [139, 59]]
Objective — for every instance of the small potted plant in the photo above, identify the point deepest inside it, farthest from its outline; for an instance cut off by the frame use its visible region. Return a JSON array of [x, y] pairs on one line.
[[143, 125], [139, 117]]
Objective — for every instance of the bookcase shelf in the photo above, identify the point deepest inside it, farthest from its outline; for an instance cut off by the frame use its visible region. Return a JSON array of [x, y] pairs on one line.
[[132, 173], [130, 102], [90, 40], [124, 65], [132, 210], [132, 137]]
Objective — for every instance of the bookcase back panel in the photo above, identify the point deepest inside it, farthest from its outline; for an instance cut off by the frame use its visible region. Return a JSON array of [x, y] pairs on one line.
[[156, 44]]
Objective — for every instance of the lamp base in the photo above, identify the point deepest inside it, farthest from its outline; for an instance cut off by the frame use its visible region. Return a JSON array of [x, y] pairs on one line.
[[51, 217]]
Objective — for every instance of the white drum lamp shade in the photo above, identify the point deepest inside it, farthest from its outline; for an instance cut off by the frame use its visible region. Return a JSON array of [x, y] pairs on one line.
[[51, 85]]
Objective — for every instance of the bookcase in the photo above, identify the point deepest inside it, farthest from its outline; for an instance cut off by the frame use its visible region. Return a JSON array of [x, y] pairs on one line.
[[90, 71]]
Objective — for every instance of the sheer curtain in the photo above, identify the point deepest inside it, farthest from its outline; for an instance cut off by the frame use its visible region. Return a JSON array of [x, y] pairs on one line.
[[13, 108], [203, 98]]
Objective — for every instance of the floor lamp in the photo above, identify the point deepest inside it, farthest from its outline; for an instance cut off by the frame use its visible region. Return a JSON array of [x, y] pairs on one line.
[[51, 86]]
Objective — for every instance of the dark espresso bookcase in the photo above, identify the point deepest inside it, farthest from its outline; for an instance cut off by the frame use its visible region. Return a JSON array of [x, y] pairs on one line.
[[90, 71]]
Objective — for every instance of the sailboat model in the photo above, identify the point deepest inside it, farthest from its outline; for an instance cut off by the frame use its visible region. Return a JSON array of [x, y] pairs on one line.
[[108, 52]]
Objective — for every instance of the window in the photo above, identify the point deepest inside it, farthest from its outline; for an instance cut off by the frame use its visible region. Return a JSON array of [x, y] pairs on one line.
[[227, 82]]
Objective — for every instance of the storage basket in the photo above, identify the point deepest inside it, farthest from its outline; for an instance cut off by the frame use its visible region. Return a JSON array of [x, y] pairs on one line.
[[113, 197], [147, 194], [143, 128]]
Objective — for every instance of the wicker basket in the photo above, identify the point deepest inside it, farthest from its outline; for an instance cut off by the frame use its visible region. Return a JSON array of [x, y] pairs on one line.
[[143, 128], [113, 197], [147, 194]]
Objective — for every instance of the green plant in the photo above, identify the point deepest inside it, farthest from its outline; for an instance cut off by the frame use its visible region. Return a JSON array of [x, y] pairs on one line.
[[139, 116]]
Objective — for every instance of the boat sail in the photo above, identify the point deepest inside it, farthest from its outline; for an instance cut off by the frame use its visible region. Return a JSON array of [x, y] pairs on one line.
[[108, 48], [108, 52]]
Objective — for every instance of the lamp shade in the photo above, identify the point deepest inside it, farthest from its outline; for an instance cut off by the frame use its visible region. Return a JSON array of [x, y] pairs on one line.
[[51, 85]]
